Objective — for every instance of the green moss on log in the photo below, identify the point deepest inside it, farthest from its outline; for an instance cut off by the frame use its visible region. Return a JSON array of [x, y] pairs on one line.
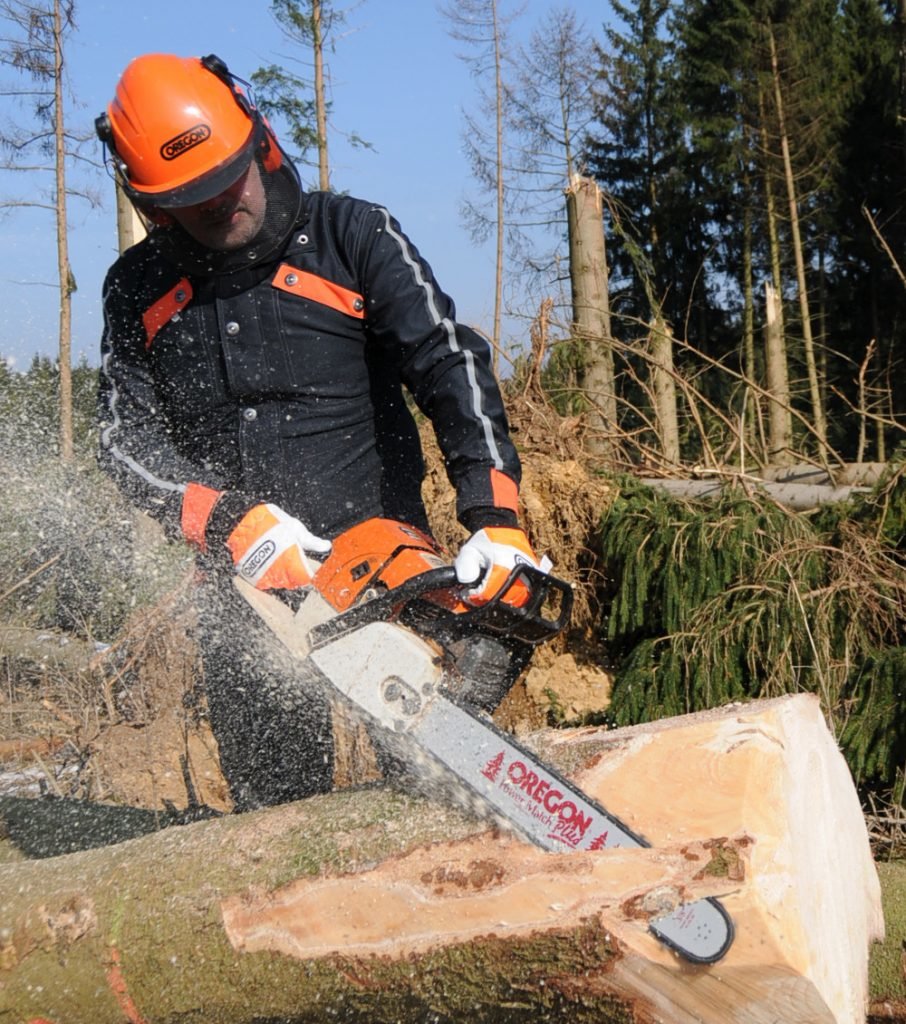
[[149, 909]]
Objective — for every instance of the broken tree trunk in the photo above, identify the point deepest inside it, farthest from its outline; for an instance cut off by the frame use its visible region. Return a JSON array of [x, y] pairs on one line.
[[371, 906], [780, 415], [591, 309]]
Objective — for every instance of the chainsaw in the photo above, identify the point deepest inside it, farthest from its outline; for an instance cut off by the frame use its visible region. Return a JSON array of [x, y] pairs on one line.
[[383, 625]]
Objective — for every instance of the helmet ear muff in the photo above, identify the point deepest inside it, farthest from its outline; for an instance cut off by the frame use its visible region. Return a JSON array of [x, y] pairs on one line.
[[153, 214], [272, 155], [269, 148], [104, 131]]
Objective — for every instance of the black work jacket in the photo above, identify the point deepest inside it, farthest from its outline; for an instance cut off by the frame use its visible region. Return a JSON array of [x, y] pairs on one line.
[[285, 381]]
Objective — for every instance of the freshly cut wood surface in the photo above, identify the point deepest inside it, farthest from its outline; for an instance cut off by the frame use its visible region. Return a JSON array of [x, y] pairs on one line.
[[367, 905], [752, 803]]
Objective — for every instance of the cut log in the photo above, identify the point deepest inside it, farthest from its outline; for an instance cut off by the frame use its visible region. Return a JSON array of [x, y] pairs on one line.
[[797, 496], [367, 905], [800, 487], [850, 474]]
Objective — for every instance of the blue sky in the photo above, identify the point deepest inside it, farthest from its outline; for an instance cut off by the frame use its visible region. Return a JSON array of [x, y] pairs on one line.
[[395, 80]]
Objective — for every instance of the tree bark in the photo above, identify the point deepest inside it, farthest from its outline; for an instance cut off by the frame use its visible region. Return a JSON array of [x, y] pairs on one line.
[[591, 309], [499, 183], [368, 905], [780, 416], [663, 389], [851, 474], [820, 421], [751, 407], [797, 486], [64, 270], [130, 228], [797, 496], [776, 363], [317, 44]]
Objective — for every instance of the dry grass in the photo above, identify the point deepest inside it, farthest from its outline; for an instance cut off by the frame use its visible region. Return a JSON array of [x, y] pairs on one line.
[[886, 820], [62, 701], [562, 503]]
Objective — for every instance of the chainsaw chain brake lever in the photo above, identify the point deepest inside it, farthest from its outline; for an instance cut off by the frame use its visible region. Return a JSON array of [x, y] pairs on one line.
[[531, 622]]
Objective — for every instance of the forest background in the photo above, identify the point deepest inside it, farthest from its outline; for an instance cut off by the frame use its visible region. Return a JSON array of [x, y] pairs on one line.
[[747, 162]]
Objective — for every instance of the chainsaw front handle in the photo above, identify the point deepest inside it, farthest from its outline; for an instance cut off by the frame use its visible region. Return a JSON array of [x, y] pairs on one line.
[[544, 615], [532, 623]]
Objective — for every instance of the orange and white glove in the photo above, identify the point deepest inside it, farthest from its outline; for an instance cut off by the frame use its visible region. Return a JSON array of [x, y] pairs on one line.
[[489, 556], [271, 549]]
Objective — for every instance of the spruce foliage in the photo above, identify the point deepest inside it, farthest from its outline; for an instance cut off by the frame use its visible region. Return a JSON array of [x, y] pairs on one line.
[[737, 598]]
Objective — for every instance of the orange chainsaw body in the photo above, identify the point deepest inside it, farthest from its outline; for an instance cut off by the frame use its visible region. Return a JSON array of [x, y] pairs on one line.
[[379, 553]]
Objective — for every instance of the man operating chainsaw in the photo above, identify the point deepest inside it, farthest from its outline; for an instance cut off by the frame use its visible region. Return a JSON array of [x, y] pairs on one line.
[[256, 349]]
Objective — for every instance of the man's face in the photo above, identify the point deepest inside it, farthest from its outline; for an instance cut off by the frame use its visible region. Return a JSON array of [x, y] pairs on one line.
[[229, 220]]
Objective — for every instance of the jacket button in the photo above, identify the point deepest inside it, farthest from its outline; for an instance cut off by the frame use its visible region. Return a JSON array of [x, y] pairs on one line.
[[291, 279], [232, 328], [250, 414], [358, 305]]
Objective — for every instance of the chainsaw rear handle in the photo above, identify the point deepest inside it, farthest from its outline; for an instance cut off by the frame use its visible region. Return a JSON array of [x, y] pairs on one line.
[[529, 622]]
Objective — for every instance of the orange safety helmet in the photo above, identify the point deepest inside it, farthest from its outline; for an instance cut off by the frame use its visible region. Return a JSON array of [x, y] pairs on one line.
[[180, 130]]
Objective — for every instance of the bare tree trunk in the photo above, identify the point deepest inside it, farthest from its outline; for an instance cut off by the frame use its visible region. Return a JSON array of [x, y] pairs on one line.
[[663, 386], [130, 228], [320, 97], [501, 232], [820, 423], [482, 26], [591, 309], [64, 271], [797, 494], [749, 429], [780, 417], [863, 406], [780, 428], [772, 232]]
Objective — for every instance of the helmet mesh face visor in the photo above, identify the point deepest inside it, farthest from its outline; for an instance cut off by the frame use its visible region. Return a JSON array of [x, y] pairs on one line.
[[284, 200]]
